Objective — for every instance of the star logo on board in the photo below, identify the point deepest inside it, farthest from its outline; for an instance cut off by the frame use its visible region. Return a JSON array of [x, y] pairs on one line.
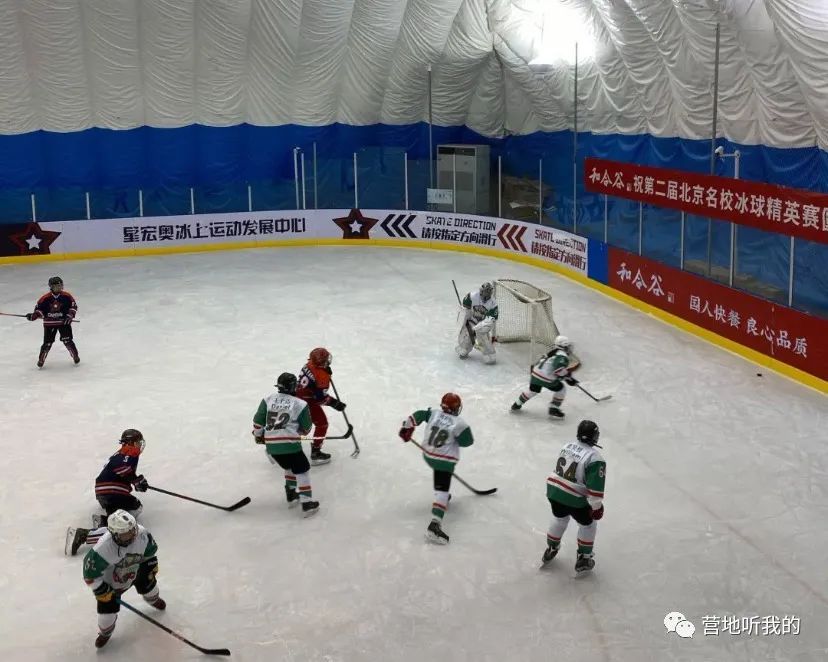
[[355, 225], [33, 240]]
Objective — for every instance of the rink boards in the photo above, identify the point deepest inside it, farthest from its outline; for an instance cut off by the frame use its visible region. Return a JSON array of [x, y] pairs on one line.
[[783, 339]]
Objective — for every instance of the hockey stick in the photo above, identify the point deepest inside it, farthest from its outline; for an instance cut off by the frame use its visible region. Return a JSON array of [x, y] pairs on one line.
[[603, 399], [74, 321], [204, 651], [456, 293], [460, 480], [355, 454], [312, 438], [229, 509]]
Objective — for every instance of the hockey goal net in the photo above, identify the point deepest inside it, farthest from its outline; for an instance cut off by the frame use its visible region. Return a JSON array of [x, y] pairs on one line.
[[525, 315]]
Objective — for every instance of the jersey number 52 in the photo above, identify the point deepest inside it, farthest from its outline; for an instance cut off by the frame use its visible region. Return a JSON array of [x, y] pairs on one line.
[[277, 420]]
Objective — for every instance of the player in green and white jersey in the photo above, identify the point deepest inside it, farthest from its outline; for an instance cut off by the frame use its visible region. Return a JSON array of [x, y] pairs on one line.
[[124, 556], [278, 423], [446, 434], [478, 330], [553, 372], [576, 489]]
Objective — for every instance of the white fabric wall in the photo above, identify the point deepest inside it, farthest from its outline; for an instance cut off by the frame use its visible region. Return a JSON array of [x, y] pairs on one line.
[[67, 65]]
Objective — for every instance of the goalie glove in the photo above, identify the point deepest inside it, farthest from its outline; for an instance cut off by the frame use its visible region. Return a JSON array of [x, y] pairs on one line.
[[406, 433]]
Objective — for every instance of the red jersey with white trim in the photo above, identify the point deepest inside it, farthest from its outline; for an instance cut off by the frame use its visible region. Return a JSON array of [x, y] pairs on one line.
[[55, 308], [119, 474], [314, 383]]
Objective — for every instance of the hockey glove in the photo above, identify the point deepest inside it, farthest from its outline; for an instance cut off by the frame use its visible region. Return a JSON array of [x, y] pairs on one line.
[[571, 380], [599, 513], [338, 405], [258, 440], [406, 433], [140, 484], [328, 369], [151, 565], [30, 317], [104, 593]]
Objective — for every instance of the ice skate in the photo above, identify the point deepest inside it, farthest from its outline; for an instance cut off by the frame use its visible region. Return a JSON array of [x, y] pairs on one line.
[[292, 497], [548, 554], [555, 412], [75, 537], [318, 456], [435, 534], [310, 508], [584, 563], [101, 640]]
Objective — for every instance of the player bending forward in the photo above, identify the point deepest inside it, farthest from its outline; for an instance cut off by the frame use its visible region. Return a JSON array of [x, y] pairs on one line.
[[57, 309], [113, 490], [479, 324], [314, 382], [446, 432], [576, 489], [125, 555], [283, 415], [551, 371]]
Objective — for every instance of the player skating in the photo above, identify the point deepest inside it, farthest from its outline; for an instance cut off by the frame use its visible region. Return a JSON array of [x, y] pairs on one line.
[[576, 489], [480, 310], [445, 434], [552, 371], [125, 556], [57, 309], [314, 382], [283, 415], [113, 490]]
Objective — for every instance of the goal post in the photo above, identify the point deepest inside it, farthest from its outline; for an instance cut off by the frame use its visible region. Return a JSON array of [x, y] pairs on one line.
[[525, 315]]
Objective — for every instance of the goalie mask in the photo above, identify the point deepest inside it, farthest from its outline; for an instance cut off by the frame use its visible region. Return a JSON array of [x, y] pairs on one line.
[[562, 342], [486, 290]]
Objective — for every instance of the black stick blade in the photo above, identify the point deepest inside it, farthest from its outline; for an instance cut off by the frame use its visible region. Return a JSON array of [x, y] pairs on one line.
[[485, 492], [236, 506], [215, 651]]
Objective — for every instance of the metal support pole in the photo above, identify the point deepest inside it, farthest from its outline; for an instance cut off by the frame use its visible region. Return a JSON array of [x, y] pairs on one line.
[[791, 272], [430, 134], [304, 199], [737, 160], [315, 188], [356, 183], [606, 218], [296, 174], [681, 243], [405, 176], [454, 181], [500, 187], [249, 198], [540, 191], [640, 227], [713, 145], [575, 149], [34, 209], [141, 202], [88, 207], [192, 200]]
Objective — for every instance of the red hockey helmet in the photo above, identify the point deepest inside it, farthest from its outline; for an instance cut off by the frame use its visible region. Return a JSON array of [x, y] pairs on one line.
[[451, 403], [320, 357]]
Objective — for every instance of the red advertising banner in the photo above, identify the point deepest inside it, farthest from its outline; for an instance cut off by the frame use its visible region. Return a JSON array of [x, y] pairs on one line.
[[790, 336], [788, 211]]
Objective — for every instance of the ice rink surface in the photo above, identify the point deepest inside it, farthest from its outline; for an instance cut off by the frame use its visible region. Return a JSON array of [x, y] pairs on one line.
[[716, 499]]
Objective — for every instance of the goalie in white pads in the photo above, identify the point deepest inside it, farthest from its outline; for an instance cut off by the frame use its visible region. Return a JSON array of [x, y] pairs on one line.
[[445, 434], [552, 371], [576, 489], [124, 556], [478, 328]]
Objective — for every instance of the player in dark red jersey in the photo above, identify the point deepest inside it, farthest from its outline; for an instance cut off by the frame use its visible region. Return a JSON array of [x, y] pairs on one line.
[[314, 381], [113, 490], [57, 308]]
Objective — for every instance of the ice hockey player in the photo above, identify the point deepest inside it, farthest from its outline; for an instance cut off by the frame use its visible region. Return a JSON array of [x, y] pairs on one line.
[[576, 489], [124, 556], [479, 324], [551, 371], [314, 382], [282, 415], [57, 308], [445, 434], [113, 490]]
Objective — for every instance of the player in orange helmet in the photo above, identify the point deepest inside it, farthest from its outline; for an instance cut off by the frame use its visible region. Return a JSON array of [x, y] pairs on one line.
[[445, 434], [314, 382]]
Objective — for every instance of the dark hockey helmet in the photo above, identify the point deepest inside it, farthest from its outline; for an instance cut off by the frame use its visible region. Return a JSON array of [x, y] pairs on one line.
[[56, 282], [588, 433], [486, 290], [451, 404], [132, 437], [286, 383], [320, 357]]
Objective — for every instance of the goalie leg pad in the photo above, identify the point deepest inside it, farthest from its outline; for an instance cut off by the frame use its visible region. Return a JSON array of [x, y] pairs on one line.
[[465, 342]]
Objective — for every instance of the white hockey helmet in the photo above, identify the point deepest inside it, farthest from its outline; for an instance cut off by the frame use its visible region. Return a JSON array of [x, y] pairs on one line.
[[562, 342], [123, 527], [486, 290]]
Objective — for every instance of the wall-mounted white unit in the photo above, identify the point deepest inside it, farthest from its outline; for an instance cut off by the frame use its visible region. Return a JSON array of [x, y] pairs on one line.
[[465, 169]]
